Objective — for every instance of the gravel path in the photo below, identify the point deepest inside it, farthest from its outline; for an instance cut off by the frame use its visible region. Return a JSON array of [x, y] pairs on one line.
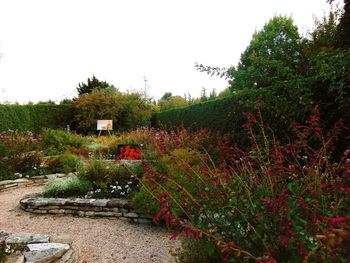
[[94, 240]]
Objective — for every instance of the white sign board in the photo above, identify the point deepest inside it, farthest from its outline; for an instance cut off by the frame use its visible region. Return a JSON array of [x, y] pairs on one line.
[[104, 125]]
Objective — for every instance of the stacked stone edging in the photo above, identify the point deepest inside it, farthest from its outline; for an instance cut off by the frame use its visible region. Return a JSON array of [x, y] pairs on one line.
[[36, 248], [118, 208], [25, 182]]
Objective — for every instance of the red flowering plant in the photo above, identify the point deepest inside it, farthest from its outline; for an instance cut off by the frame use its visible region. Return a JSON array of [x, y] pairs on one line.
[[128, 153], [268, 203]]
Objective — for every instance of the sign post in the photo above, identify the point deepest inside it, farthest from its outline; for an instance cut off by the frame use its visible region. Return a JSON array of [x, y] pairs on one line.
[[104, 125]]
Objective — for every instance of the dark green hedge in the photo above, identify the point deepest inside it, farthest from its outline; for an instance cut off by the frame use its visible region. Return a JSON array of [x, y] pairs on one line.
[[35, 117], [225, 115]]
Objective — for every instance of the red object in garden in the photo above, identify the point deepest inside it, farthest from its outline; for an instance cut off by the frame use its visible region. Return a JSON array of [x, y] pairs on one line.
[[129, 153]]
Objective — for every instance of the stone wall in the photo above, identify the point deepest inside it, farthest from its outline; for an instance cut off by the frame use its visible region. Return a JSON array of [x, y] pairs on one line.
[[118, 208], [25, 182], [35, 248]]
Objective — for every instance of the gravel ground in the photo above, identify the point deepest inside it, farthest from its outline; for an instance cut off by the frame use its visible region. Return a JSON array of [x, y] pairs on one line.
[[94, 240]]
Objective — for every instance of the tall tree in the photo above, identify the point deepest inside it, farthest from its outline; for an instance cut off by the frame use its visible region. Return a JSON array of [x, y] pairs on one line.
[[273, 55], [93, 84], [343, 29]]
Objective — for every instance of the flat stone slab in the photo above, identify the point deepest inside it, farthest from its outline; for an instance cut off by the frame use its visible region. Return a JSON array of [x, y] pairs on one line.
[[5, 182], [45, 252], [21, 181], [46, 246], [35, 248], [26, 238]]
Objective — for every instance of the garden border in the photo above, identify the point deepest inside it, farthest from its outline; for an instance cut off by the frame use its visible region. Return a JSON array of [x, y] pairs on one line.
[[117, 208], [31, 181]]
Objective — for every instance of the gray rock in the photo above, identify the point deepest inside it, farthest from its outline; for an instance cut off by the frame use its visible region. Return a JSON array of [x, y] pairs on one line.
[[38, 177], [108, 214], [89, 213], [57, 201], [6, 182], [98, 202], [131, 215], [21, 181], [47, 252], [118, 203], [46, 246], [56, 211], [6, 186], [39, 202], [26, 238]]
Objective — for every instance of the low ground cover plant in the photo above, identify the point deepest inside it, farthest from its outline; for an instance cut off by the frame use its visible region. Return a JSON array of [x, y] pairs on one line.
[[98, 179], [67, 187], [272, 202]]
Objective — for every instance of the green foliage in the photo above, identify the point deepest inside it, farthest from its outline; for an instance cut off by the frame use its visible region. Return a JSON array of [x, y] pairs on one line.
[[94, 84], [66, 163], [35, 117], [2, 255], [225, 93], [325, 30], [167, 95], [145, 201], [56, 141], [342, 37], [106, 176], [225, 115], [172, 102], [171, 167], [194, 251], [272, 56], [66, 187], [126, 110]]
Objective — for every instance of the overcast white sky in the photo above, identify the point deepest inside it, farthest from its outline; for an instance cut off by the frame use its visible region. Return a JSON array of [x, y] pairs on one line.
[[49, 46]]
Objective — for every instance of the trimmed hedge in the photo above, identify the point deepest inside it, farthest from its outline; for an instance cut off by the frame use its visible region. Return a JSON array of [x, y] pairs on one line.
[[35, 117], [225, 115]]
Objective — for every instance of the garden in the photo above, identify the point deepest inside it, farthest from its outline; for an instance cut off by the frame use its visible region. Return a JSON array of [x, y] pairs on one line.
[[259, 175], [269, 202]]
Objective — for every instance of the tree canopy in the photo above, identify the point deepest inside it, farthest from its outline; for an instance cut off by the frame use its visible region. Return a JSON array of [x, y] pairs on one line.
[[272, 56], [94, 84]]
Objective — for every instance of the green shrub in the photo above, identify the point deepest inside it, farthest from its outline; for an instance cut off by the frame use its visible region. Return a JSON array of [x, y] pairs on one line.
[[66, 163], [126, 110], [35, 117], [145, 201], [193, 251], [58, 140], [67, 187], [110, 179], [170, 166], [69, 162]]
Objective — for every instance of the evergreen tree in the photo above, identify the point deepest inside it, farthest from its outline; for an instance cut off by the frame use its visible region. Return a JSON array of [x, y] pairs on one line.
[[93, 84]]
